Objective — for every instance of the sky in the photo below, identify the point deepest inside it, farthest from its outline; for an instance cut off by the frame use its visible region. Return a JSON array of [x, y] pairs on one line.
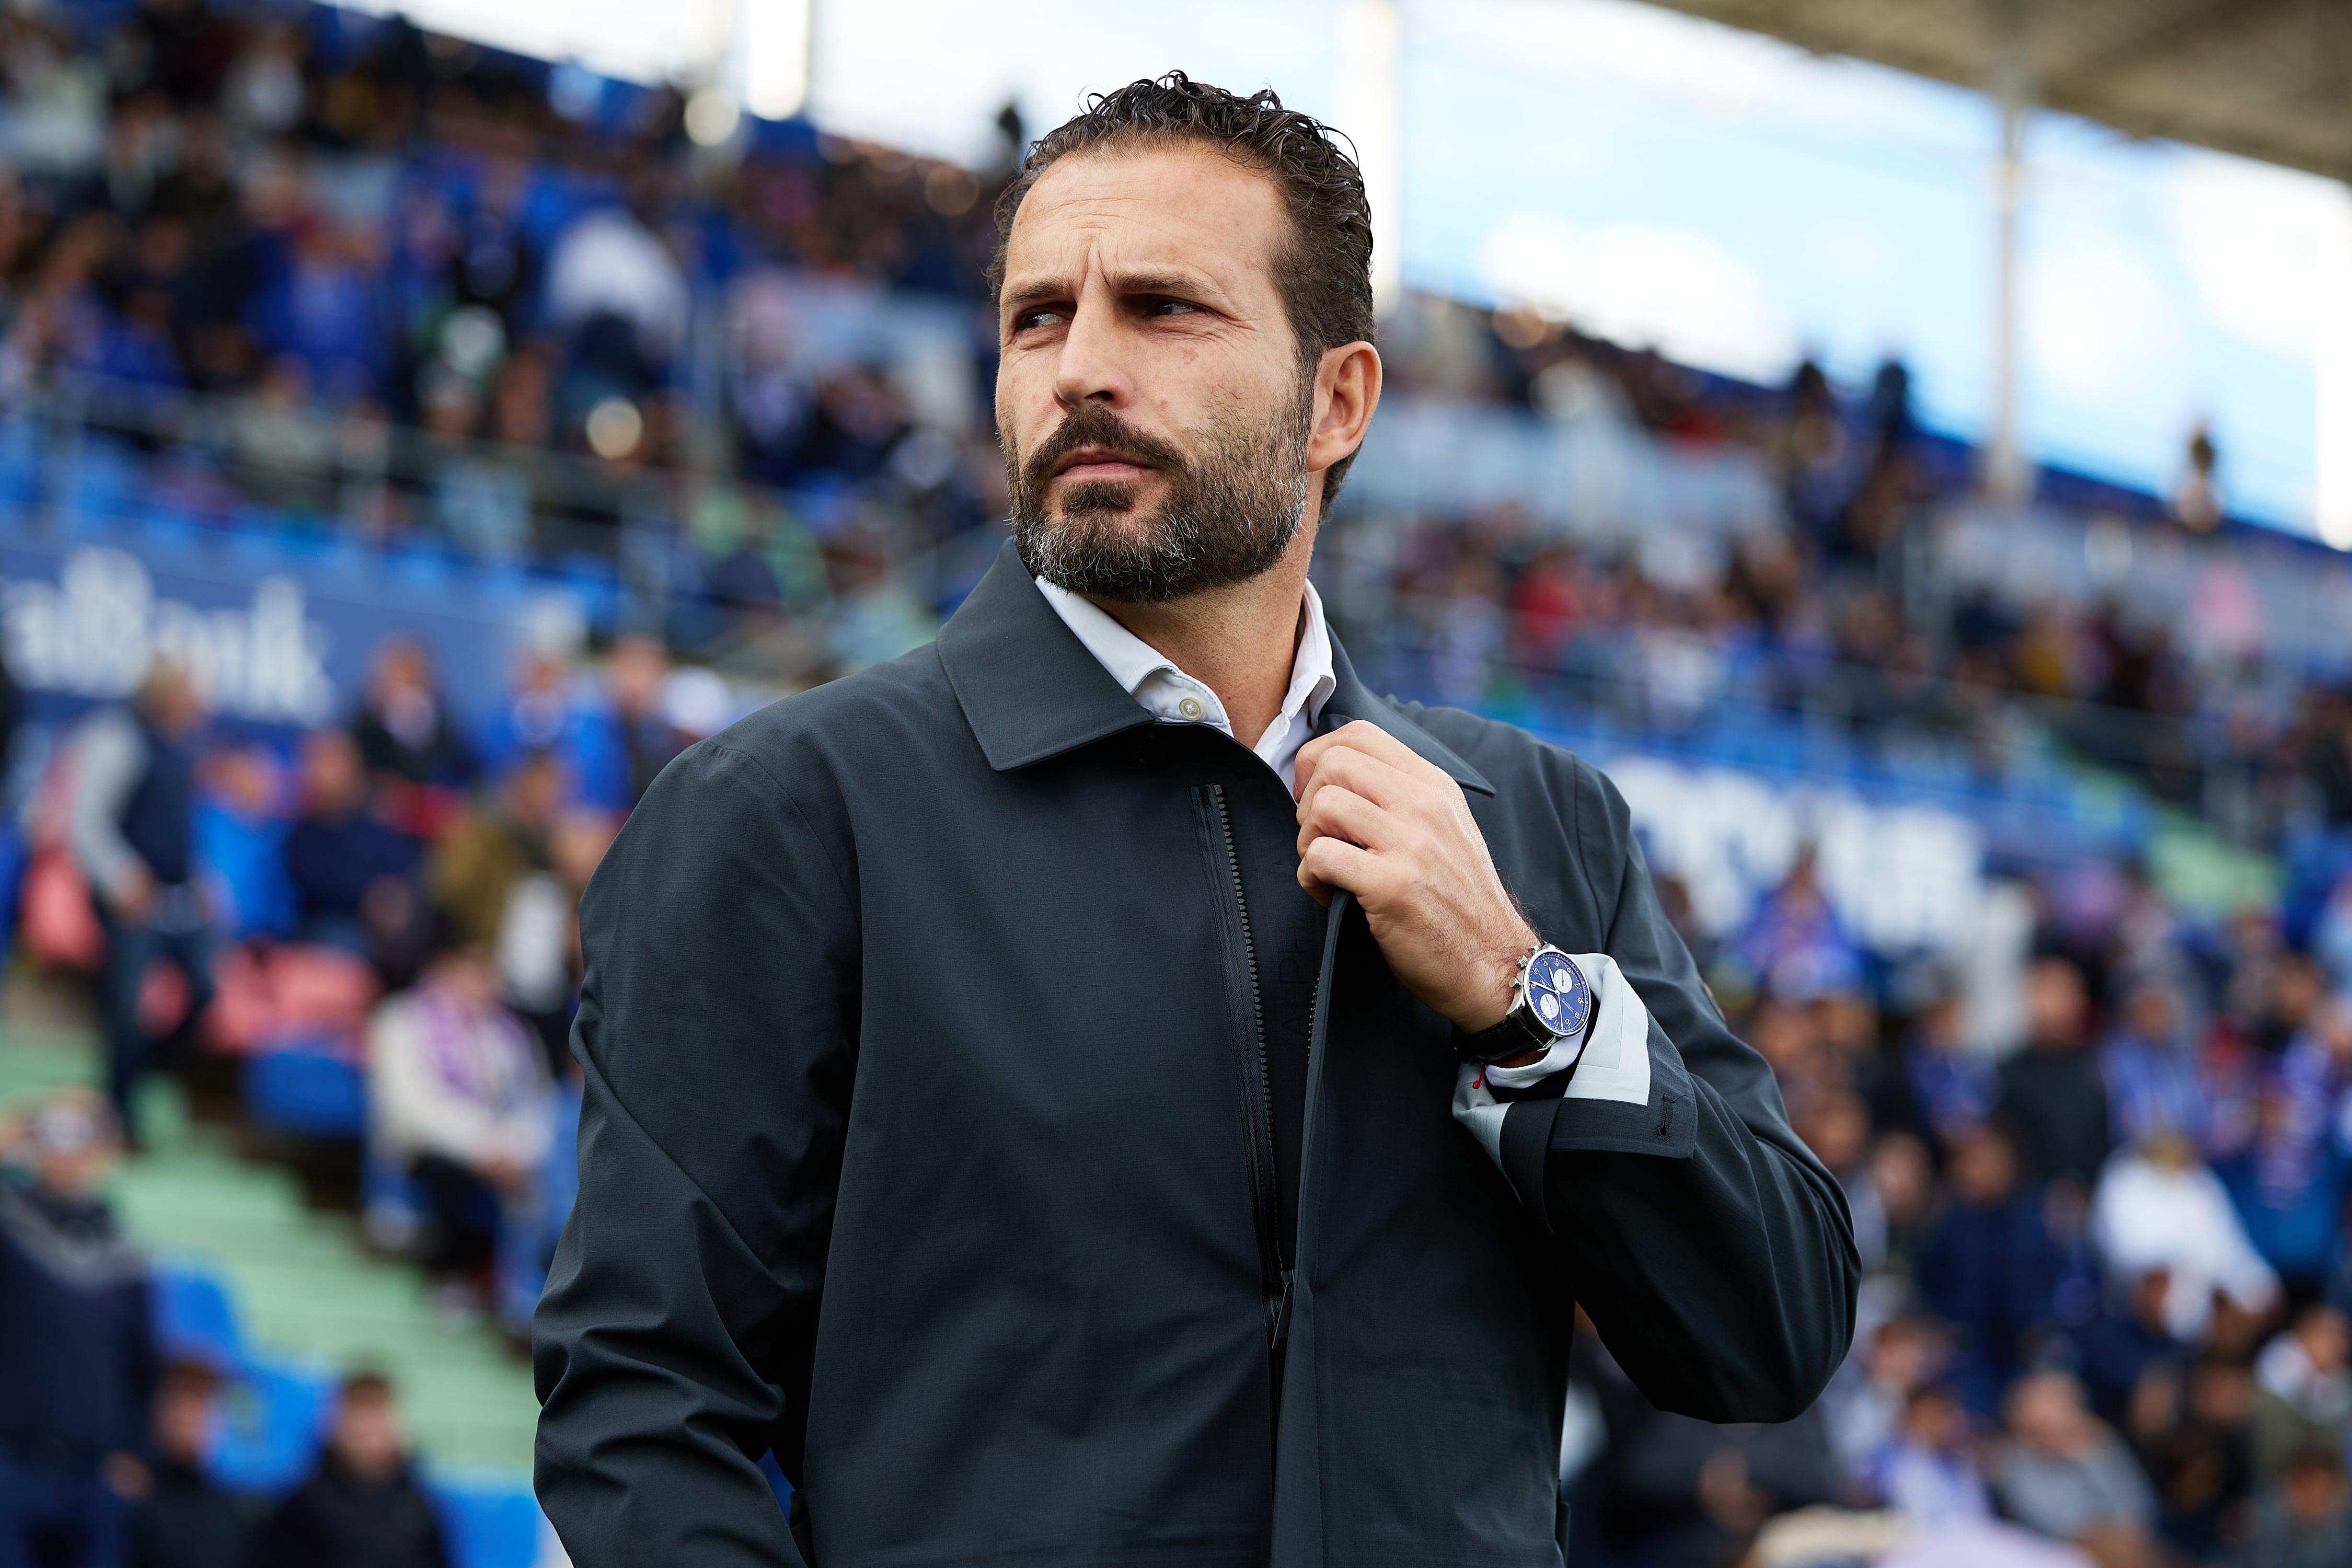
[[1732, 200]]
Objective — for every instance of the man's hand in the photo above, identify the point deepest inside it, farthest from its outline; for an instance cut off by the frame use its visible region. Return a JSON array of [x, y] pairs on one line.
[[1378, 820], [134, 895]]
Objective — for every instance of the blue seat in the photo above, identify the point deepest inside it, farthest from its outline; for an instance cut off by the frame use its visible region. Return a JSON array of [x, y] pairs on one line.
[[597, 583], [274, 1419], [420, 566], [488, 1526], [307, 1091], [194, 1318], [102, 485]]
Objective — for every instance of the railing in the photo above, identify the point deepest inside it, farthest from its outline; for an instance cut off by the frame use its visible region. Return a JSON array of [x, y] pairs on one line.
[[1924, 735]]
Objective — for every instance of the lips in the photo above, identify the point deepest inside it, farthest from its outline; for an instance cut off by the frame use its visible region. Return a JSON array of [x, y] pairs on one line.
[[1099, 463]]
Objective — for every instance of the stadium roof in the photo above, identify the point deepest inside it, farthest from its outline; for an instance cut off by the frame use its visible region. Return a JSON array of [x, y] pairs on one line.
[[2266, 78]]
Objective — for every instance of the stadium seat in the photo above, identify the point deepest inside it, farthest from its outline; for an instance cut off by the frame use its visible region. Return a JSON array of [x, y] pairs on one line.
[[306, 1091], [272, 1412], [274, 1419], [194, 1318], [488, 1527]]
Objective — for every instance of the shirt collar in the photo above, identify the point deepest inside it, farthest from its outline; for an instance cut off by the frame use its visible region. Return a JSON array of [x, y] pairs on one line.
[[1030, 689], [1132, 662]]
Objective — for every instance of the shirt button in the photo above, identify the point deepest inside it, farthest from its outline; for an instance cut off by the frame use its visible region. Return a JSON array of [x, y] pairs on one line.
[[1189, 708]]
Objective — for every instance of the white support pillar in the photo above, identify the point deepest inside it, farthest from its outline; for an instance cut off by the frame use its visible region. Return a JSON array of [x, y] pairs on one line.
[[1371, 93], [2007, 476], [2334, 510], [769, 61]]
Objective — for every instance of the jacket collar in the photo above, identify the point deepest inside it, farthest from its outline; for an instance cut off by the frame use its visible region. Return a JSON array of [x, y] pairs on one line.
[[1031, 691]]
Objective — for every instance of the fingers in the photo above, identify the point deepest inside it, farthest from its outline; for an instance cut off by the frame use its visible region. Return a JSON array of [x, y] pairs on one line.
[[1332, 863], [1367, 777], [1341, 813], [1361, 735]]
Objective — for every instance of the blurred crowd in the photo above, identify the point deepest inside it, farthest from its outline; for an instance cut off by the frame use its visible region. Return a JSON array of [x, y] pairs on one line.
[[2108, 1273], [1844, 618], [396, 898], [305, 268], [310, 269]]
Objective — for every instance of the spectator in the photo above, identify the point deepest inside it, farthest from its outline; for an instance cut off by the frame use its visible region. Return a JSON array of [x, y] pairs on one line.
[[546, 714], [2053, 1099], [403, 729], [2150, 1066], [1796, 946], [1948, 1087], [134, 809], [2288, 1184], [362, 1508], [2202, 1466], [459, 1099], [285, 448], [496, 845], [2303, 1393], [77, 1363], [2158, 1208], [240, 835], [2063, 1472], [352, 874], [1929, 1471], [1990, 1269], [2119, 1348], [1864, 1403], [539, 938], [187, 1520], [2305, 1524], [636, 674]]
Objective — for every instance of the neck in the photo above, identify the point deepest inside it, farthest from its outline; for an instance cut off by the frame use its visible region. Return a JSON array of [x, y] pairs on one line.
[[1239, 641]]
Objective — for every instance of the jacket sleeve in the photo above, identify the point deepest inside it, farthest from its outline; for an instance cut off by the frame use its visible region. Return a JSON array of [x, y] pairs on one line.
[[1713, 1252], [672, 1346]]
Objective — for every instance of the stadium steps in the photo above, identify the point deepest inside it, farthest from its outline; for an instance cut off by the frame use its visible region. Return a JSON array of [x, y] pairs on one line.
[[304, 1288]]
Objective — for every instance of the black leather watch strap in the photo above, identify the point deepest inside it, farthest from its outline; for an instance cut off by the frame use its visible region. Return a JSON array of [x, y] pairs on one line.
[[1515, 1036]]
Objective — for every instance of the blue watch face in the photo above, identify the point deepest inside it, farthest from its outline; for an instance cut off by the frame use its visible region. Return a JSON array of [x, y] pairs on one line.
[[1557, 994]]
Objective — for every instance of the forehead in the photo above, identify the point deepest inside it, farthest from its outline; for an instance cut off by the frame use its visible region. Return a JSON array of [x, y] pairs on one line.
[[1150, 207]]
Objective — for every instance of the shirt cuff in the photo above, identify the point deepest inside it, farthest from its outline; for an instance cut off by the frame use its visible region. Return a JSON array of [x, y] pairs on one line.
[[1561, 1058]]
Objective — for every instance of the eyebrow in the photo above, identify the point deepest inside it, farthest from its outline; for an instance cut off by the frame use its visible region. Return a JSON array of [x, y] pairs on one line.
[[1186, 285]]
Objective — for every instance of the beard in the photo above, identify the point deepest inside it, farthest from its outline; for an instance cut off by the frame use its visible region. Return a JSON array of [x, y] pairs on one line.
[[1230, 510]]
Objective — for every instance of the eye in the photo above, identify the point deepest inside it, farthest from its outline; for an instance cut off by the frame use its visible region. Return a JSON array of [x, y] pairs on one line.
[[1029, 320], [1171, 308]]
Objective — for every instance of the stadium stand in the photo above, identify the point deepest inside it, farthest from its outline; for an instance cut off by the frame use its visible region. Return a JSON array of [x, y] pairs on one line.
[[338, 362]]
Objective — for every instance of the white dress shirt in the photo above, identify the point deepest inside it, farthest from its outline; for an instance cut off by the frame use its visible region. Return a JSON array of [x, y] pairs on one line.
[[1153, 679]]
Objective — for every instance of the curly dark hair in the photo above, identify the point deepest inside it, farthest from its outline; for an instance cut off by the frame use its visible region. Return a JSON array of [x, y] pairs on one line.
[[1324, 273]]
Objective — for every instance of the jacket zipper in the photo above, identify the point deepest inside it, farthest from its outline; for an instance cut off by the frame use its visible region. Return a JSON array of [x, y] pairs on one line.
[[1249, 1022]]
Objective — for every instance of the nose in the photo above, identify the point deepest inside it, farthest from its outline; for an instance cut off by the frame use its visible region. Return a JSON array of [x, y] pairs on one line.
[[1092, 366]]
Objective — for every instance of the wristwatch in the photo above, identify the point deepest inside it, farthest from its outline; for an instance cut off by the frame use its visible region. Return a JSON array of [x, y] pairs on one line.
[[1551, 1002]]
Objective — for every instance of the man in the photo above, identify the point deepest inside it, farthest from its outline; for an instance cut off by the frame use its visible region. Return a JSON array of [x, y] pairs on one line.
[[2053, 1098], [133, 808], [458, 1097], [187, 1520], [363, 1508], [77, 1358], [1013, 1105], [353, 874]]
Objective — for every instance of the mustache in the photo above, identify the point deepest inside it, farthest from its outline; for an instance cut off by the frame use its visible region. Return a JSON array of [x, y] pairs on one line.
[[1092, 424]]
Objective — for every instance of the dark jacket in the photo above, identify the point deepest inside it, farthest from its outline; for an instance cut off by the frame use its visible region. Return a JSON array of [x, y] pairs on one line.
[[157, 816], [341, 1519], [2053, 1100], [77, 1350], [189, 1523], [933, 1137], [1992, 1274]]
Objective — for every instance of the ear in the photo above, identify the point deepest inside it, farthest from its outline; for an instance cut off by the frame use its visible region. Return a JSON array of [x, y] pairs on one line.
[[1346, 391]]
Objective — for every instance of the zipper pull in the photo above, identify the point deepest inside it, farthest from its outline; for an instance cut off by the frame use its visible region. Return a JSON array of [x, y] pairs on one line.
[[1280, 1311]]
